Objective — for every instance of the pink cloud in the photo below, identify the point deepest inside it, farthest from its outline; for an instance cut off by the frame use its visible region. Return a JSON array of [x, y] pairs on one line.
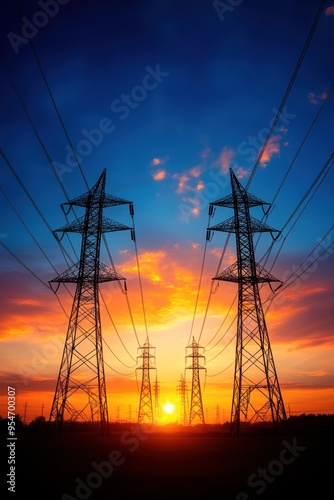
[[225, 158], [315, 98], [273, 147], [155, 162], [195, 171], [330, 10], [159, 176], [182, 182]]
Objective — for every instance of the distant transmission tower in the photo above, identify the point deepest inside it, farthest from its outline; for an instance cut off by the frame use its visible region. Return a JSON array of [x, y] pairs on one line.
[[157, 408], [81, 385], [184, 403], [217, 415], [145, 412], [256, 392], [196, 415]]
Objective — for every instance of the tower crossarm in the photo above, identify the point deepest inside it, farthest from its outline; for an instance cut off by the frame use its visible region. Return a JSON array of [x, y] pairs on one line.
[[80, 226], [231, 226]]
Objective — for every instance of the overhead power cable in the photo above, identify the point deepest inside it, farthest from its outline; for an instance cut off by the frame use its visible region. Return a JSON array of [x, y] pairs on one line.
[[45, 149], [31, 272], [302, 268], [319, 179], [34, 204], [50, 93], [288, 90]]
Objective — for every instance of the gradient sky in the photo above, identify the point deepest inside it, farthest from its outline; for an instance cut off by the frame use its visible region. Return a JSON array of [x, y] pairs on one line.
[[167, 96]]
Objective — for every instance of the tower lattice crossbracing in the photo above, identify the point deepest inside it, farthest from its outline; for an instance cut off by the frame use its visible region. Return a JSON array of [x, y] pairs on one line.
[[145, 412], [80, 393], [256, 391], [196, 414], [182, 390]]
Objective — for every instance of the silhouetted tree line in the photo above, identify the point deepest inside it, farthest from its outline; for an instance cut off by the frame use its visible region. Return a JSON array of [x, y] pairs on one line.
[[305, 422]]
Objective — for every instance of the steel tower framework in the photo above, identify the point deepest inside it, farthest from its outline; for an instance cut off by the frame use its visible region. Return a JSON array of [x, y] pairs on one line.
[[256, 391], [81, 375], [145, 412], [184, 403], [196, 414], [157, 407]]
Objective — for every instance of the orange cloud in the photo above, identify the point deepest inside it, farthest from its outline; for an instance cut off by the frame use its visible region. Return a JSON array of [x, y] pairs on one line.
[[273, 147], [194, 205], [225, 158], [195, 171], [182, 182], [155, 162], [160, 175], [330, 10], [158, 161]]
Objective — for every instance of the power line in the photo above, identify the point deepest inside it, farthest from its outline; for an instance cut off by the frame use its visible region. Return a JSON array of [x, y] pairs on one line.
[[288, 90], [50, 94]]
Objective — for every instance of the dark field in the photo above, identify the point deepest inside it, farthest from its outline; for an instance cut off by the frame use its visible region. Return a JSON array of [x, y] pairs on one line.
[[132, 463]]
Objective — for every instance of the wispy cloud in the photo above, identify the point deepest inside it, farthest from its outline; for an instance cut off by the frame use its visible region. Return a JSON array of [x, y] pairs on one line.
[[272, 148], [224, 159], [330, 10], [316, 98]]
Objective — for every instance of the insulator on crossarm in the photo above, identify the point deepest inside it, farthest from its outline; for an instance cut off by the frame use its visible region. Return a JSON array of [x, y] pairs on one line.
[[278, 235], [269, 209], [208, 235], [58, 238], [133, 235], [132, 210], [211, 210], [66, 212]]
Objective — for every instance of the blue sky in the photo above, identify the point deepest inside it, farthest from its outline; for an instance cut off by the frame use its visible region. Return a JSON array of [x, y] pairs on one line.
[[198, 95]]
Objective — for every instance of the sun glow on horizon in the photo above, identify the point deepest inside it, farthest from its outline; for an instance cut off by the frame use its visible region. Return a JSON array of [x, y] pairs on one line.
[[169, 408]]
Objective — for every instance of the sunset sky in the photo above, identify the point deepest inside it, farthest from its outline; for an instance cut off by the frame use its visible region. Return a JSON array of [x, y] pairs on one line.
[[167, 96]]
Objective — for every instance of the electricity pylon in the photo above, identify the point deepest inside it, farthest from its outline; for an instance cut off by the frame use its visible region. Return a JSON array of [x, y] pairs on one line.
[[157, 407], [196, 414], [145, 412], [256, 391], [183, 392], [81, 386]]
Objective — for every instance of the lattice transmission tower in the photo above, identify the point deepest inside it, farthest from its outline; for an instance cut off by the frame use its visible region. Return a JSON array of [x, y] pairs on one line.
[[182, 390], [157, 407], [196, 414], [145, 412], [81, 387], [256, 391]]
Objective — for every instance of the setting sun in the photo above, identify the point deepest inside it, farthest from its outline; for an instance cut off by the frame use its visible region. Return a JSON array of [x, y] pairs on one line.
[[169, 408]]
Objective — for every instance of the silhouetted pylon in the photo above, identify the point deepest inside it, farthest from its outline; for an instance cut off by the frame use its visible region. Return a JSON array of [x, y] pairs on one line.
[[256, 391], [196, 414], [81, 388], [184, 402], [157, 407], [145, 412]]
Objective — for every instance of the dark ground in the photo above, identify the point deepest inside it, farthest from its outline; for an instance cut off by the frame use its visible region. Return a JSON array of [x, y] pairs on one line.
[[173, 464]]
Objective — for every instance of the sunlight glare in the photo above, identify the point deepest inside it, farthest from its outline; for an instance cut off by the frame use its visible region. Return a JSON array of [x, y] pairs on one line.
[[169, 408]]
